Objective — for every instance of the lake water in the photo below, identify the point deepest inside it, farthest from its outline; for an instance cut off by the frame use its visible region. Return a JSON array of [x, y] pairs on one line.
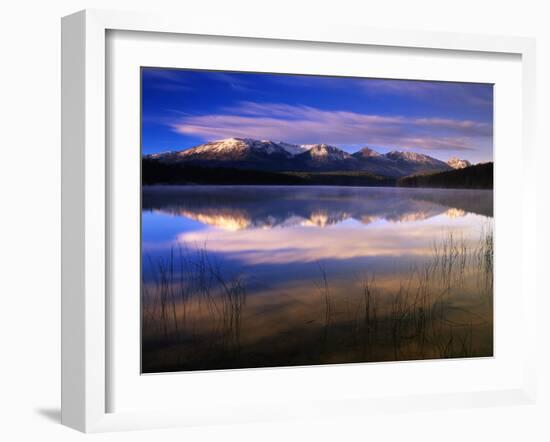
[[246, 276]]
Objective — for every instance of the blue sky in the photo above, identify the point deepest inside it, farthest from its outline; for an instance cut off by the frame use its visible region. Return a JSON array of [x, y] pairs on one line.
[[183, 108]]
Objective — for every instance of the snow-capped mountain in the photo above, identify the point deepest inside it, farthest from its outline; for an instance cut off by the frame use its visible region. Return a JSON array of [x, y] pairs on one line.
[[325, 157], [367, 152], [293, 149], [457, 163], [398, 164], [413, 157], [379, 164], [413, 163], [324, 152], [244, 153], [248, 153], [233, 148]]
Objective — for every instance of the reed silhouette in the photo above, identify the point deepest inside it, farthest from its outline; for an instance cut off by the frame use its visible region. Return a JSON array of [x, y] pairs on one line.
[[194, 311]]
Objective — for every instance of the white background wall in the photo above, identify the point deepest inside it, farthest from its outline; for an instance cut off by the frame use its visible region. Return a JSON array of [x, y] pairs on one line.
[[30, 214]]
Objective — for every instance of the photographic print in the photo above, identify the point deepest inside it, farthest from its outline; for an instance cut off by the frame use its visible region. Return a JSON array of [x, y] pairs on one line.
[[292, 220]]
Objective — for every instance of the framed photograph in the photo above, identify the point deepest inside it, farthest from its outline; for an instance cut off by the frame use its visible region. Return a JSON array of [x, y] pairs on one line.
[[269, 222]]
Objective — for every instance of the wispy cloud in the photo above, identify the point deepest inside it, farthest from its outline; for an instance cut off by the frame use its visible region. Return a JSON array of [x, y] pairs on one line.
[[166, 79], [185, 80], [470, 94], [304, 124], [463, 93], [235, 82]]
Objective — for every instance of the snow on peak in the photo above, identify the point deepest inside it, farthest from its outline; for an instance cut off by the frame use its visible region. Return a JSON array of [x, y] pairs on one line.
[[367, 152], [325, 151], [235, 144], [292, 149], [158, 155], [410, 156], [236, 148], [457, 163]]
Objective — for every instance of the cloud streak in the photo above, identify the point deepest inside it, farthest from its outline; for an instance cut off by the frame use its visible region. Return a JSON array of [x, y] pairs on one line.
[[306, 244], [304, 124], [472, 94], [166, 79]]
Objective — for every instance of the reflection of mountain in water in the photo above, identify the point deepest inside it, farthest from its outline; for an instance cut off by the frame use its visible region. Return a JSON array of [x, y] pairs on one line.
[[237, 208]]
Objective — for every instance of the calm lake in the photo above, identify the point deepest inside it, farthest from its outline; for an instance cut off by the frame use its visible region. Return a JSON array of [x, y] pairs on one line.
[[246, 276]]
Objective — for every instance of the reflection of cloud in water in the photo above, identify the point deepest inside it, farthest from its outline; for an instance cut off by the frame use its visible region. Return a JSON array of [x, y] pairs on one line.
[[346, 241]]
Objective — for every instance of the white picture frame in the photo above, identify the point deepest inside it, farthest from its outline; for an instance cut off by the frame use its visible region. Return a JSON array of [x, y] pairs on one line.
[[86, 204]]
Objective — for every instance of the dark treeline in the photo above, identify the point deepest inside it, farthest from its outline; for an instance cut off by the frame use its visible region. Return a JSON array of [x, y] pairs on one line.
[[156, 172], [479, 176]]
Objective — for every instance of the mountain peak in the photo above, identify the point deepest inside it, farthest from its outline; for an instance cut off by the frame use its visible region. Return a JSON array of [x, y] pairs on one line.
[[410, 156], [253, 154], [235, 141], [325, 152], [366, 152], [235, 147], [231, 141], [457, 163]]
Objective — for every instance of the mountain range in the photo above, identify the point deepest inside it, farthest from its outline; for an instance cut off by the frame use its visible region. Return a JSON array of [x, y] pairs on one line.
[[271, 156]]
